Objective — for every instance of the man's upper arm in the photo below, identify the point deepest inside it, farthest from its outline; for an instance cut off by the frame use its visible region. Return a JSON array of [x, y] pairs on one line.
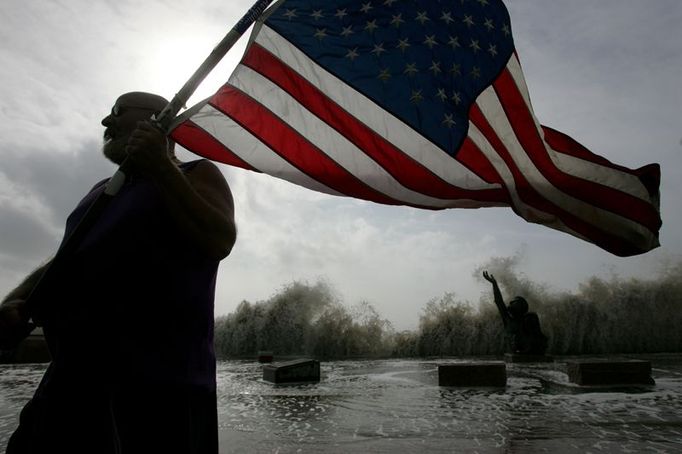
[[209, 182]]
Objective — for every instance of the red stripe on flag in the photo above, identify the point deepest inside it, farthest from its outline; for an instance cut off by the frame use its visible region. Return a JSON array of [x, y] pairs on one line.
[[533, 198], [477, 162], [649, 175], [409, 172], [195, 139], [565, 144], [595, 194], [291, 146]]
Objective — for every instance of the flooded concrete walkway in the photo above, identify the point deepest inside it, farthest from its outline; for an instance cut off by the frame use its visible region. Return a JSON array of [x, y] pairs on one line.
[[396, 406]]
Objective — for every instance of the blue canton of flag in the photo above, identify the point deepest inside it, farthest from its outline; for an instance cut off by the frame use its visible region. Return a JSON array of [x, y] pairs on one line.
[[425, 62]]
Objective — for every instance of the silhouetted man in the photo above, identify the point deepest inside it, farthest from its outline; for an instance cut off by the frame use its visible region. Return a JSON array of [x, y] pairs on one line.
[[522, 328], [130, 322]]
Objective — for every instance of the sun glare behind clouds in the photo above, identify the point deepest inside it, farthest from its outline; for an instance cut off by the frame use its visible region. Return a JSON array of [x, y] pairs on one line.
[[174, 59]]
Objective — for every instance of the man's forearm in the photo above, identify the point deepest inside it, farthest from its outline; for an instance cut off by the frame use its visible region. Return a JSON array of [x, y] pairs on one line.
[[15, 314], [23, 290]]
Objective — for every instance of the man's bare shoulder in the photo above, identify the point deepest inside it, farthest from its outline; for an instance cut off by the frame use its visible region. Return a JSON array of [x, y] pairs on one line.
[[208, 180]]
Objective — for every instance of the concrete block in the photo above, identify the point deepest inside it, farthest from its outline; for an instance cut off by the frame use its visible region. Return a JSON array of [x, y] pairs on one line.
[[473, 374], [605, 372], [297, 371]]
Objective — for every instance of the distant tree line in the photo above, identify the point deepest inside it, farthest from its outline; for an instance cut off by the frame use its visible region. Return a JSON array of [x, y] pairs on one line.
[[603, 316]]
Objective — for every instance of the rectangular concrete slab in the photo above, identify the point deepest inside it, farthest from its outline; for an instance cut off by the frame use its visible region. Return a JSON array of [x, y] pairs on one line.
[[473, 374], [297, 371], [604, 372]]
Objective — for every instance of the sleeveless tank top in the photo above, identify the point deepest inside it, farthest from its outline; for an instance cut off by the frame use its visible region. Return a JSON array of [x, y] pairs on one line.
[[135, 304]]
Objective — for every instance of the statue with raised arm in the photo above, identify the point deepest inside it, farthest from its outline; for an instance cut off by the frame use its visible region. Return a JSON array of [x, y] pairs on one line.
[[522, 328]]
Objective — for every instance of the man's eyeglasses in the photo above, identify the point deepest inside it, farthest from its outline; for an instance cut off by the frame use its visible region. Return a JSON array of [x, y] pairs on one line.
[[119, 110]]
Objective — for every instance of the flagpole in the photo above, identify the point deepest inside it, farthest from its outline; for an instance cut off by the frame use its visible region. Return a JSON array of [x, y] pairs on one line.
[[170, 111], [162, 121]]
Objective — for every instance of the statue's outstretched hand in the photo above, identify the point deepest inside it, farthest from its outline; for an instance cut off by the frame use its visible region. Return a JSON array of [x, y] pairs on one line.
[[489, 277]]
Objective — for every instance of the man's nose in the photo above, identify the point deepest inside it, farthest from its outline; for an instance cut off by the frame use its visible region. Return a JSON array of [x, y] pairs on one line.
[[107, 121]]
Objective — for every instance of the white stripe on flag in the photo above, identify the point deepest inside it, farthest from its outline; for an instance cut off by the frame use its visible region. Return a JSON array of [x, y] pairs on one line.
[[599, 174]]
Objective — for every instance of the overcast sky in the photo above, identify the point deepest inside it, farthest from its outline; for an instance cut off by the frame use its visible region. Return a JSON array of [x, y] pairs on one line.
[[606, 72]]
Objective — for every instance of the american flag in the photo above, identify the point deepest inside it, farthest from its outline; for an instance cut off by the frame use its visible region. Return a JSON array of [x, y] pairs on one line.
[[419, 103]]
